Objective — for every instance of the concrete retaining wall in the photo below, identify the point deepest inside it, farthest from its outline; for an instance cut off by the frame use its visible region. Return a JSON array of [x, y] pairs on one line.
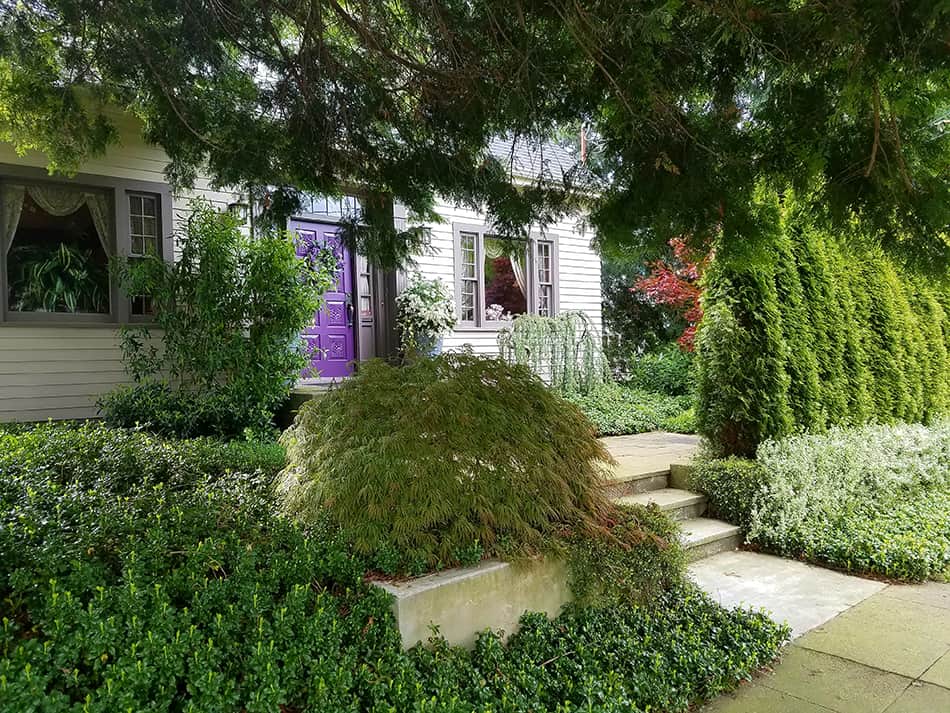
[[464, 601]]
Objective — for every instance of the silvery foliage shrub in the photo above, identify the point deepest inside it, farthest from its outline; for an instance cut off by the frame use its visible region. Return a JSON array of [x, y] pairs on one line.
[[874, 499], [815, 476], [425, 312]]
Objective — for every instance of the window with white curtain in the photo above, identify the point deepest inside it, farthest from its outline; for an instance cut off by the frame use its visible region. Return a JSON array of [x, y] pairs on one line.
[[56, 243], [498, 279]]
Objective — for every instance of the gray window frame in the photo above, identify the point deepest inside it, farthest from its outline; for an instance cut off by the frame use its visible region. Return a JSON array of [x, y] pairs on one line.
[[120, 189], [531, 268]]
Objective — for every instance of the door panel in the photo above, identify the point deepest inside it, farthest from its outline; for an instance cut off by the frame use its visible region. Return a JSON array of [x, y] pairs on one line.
[[331, 338]]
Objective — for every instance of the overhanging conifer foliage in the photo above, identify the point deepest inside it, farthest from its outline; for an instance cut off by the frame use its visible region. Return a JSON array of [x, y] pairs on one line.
[[688, 103], [815, 328]]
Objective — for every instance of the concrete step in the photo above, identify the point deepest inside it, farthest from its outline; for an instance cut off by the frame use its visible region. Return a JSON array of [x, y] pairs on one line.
[[623, 481], [677, 504], [703, 537]]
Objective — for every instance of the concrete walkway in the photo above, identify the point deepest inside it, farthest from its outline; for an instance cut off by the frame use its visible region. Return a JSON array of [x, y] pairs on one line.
[[861, 646]]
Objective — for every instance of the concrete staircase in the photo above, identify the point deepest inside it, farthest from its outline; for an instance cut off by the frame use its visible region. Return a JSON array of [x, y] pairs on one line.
[[650, 470]]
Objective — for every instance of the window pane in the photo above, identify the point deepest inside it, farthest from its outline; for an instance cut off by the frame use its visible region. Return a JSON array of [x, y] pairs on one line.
[[505, 279], [468, 290], [544, 262], [56, 263], [138, 225], [138, 245], [149, 206], [544, 300]]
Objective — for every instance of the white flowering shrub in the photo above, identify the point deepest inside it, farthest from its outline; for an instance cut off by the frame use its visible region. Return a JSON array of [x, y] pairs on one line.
[[872, 499], [425, 311]]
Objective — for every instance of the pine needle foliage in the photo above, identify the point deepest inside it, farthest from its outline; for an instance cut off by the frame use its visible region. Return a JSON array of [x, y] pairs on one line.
[[820, 329], [451, 459]]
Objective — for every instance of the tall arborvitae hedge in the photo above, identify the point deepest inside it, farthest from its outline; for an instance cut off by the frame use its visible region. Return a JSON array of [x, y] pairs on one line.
[[814, 329]]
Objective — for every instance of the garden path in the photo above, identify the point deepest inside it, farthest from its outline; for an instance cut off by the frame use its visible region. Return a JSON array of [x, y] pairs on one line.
[[889, 653]]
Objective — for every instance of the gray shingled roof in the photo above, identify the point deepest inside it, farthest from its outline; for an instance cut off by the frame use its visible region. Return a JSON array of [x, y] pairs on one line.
[[532, 158]]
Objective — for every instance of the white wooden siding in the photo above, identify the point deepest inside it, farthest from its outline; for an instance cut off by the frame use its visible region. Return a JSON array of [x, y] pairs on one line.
[[578, 272], [56, 371]]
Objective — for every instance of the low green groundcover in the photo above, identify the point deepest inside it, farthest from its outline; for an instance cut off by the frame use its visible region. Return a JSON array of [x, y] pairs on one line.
[[874, 499], [193, 596], [617, 410]]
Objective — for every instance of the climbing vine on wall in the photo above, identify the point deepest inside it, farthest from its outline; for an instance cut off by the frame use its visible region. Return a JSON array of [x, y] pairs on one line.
[[565, 350]]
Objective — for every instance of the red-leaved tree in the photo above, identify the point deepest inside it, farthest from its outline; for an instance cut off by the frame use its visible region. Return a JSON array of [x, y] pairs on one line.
[[675, 285]]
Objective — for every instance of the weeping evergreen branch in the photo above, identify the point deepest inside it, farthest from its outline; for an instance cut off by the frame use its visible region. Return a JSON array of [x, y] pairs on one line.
[[566, 350]]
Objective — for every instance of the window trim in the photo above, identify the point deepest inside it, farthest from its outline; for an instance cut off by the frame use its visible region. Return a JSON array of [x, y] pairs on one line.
[[531, 265], [120, 307]]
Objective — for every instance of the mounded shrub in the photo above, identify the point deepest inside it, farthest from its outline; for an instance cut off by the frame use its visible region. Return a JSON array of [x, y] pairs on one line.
[[668, 370], [735, 487], [813, 330], [451, 459]]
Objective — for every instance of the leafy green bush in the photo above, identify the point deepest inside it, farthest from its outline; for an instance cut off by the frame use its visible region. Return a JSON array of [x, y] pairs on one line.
[[734, 486], [615, 410], [668, 370], [198, 598], [812, 329], [229, 314], [633, 558], [454, 458], [92, 455], [874, 499]]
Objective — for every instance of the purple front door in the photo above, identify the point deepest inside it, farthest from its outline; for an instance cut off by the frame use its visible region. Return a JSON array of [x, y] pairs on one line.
[[331, 338]]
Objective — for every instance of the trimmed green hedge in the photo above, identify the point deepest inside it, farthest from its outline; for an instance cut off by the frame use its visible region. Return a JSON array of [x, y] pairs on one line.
[[93, 455], [874, 499], [807, 330]]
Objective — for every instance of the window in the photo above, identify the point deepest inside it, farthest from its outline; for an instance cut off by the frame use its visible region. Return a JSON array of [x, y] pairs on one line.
[[145, 240], [497, 279], [144, 235], [545, 263], [57, 240]]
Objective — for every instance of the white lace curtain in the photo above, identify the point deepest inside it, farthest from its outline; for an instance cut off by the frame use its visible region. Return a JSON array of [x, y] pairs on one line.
[[496, 249], [55, 200]]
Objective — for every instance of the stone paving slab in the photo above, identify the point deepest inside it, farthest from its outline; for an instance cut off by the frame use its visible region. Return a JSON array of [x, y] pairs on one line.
[[802, 595], [872, 658], [646, 453], [939, 673], [932, 594], [922, 698], [835, 683], [759, 699], [887, 633]]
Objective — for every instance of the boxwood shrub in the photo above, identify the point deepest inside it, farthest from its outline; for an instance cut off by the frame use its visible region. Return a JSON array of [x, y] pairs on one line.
[[93, 455], [874, 499]]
